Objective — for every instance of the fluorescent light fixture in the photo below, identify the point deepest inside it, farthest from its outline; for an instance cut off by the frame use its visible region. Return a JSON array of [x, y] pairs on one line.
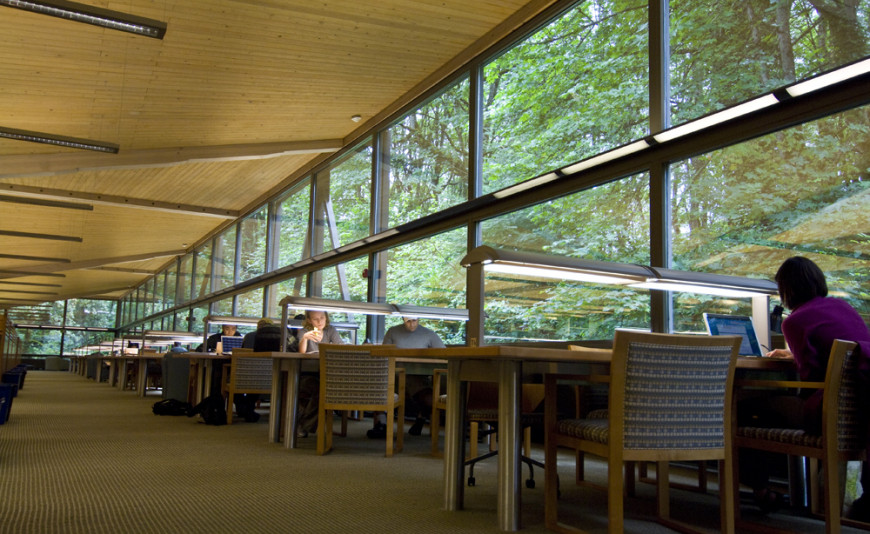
[[524, 186], [696, 288], [431, 312], [610, 155], [716, 118], [830, 78], [58, 140], [237, 321], [554, 273], [555, 267], [340, 306], [599, 272], [113, 20]]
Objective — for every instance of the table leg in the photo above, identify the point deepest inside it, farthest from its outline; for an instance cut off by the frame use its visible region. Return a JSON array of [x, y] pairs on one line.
[[291, 401], [276, 407], [454, 438], [509, 433], [142, 379]]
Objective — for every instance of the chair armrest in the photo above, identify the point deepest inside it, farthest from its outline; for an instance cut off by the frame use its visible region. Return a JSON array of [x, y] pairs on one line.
[[778, 384]]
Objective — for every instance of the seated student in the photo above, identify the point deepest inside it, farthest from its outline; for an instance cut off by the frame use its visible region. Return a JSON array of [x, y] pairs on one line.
[[217, 365], [816, 320], [266, 338], [315, 330], [410, 335]]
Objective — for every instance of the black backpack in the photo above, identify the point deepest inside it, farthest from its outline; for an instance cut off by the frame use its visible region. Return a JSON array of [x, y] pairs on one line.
[[170, 407], [212, 410]]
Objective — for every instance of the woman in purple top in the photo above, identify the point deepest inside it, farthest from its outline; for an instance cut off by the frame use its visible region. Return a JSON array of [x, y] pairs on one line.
[[816, 320]]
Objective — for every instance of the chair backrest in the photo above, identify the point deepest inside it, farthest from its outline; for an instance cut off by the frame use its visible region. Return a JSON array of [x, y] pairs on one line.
[[251, 375], [842, 400], [671, 391], [350, 375]]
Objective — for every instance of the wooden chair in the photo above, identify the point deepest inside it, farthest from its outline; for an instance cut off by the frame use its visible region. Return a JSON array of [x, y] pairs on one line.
[[670, 400], [482, 409], [246, 374], [843, 437], [352, 379]]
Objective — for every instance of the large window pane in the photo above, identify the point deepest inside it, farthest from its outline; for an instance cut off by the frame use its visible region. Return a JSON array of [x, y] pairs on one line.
[[804, 191], [252, 260], [292, 287], [428, 157], [171, 281], [250, 304], [202, 276], [607, 223], [291, 223], [225, 258], [752, 46], [185, 272], [427, 273], [575, 88], [343, 200], [40, 341], [91, 313]]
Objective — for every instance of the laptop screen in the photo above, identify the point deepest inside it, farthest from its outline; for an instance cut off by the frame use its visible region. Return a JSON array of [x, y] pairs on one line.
[[735, 325], [231, 342]]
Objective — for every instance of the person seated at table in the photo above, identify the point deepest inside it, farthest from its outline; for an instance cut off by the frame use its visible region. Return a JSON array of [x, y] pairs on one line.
[[816, 320], [315, 330], [266, 338], [409, 335]]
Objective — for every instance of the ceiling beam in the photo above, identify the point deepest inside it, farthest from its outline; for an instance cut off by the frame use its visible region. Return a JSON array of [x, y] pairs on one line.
[[29, 191], [46, 268], [20, 165]]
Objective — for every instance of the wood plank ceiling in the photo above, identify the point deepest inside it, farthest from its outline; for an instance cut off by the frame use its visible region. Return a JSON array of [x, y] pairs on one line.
[[236, 102]]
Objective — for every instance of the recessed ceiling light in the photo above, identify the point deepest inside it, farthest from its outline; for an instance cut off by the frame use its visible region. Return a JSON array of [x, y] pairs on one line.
[[356, 118]]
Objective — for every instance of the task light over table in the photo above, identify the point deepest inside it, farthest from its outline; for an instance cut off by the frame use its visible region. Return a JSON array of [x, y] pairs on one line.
[[487, 259]]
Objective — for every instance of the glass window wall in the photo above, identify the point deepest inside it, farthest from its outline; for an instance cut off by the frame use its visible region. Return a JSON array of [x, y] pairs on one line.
[[577, 87]]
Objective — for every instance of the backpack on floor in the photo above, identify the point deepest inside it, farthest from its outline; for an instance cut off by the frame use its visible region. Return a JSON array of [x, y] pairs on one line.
[[212, 411], [171, 407]]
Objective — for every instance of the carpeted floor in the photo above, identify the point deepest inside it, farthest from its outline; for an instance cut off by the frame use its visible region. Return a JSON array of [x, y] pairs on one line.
[[80, 457]]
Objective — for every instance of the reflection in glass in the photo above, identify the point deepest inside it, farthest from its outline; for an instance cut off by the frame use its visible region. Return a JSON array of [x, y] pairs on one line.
[[744, 209]]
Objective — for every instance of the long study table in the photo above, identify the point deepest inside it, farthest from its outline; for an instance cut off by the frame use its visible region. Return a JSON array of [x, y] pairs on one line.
[[504, 364]]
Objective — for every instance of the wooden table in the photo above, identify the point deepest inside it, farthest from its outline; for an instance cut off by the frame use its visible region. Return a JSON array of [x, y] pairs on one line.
[[504, 364], [286, 370]]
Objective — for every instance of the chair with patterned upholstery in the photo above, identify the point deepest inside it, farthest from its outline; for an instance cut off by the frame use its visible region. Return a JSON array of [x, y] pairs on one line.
[[246, 374], [669, 400], [843, 437], [352, 379]]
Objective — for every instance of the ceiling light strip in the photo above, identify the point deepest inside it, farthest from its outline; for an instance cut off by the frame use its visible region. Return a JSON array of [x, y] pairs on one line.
[[105, 18], [29, 235], [58, 140], [46, 203]]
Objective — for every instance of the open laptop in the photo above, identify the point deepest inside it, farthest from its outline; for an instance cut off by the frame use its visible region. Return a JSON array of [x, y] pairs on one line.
[[231, 342], [735, 325]]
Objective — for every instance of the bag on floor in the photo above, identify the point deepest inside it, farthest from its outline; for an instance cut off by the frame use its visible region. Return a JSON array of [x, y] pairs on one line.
[[171, 407], [212, 411]]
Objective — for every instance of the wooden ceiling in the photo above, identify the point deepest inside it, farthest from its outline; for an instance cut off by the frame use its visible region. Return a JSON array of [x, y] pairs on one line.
[[238, 100]]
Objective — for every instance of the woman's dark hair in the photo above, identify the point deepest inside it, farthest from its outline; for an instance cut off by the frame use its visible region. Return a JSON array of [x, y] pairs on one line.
[[800, 280]]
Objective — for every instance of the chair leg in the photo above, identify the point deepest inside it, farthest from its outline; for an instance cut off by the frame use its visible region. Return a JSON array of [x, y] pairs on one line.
[[389, 434], [435, 430], [663, 490], [400, 428], [615, 504]]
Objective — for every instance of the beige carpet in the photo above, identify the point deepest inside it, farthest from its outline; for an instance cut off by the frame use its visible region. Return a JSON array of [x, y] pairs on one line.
[[81, 457]]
